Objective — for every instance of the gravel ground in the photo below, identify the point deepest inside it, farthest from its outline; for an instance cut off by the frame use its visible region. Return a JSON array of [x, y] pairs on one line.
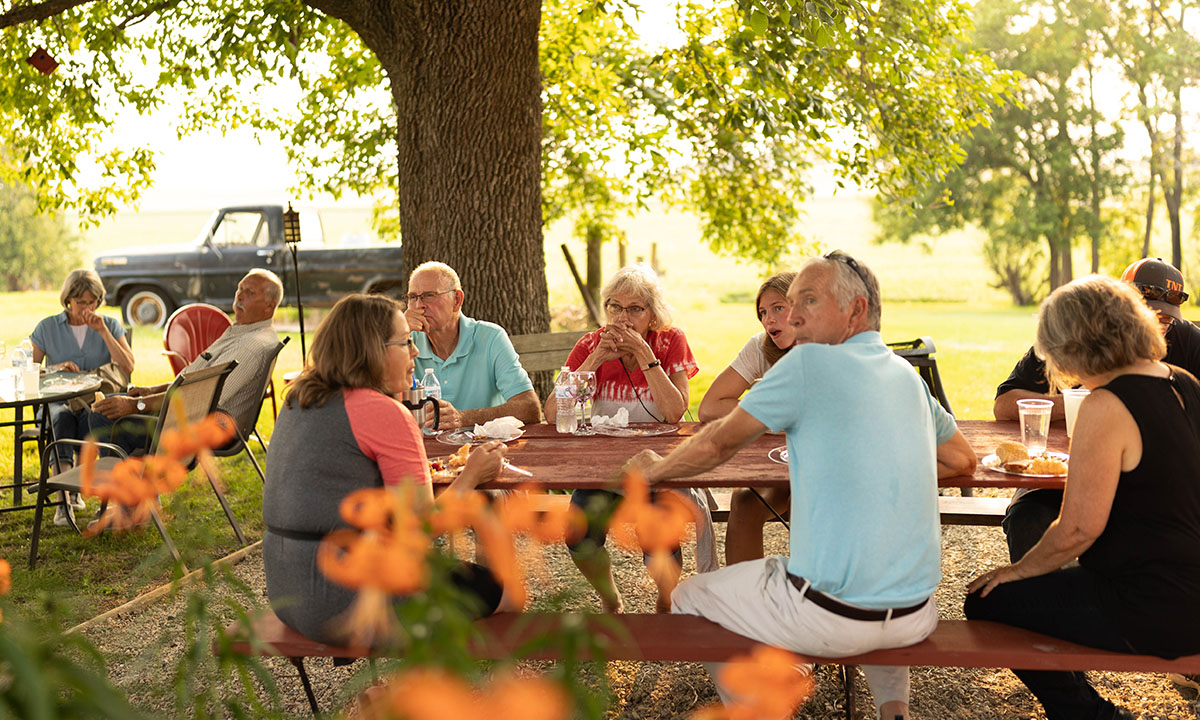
[[143, 648]]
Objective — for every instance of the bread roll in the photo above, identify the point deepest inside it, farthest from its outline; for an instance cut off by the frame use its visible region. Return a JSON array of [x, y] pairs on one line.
[[1011, 452]]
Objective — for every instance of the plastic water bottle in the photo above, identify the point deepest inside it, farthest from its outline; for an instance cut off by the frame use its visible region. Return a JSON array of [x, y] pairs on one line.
[[22, 356], [564, 402], [430, 387]]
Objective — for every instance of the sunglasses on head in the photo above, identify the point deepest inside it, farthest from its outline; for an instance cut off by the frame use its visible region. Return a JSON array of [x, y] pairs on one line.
[[1154, 292], [851, 263]]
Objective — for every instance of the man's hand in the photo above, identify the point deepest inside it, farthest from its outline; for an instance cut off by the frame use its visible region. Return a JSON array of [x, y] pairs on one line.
[[136, 391], [643, 461], [449, 418], [117, 406], [416, 320]]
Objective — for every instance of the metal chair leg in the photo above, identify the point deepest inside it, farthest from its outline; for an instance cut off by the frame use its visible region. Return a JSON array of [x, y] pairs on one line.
[[237, 530], [308, 691], [162, 531]]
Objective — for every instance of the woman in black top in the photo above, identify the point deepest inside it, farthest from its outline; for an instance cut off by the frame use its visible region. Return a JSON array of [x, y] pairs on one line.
[[1131, 510]]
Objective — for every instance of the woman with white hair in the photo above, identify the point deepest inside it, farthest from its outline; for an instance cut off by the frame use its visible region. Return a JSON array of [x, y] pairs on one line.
[[1131, 507], [642, 364]]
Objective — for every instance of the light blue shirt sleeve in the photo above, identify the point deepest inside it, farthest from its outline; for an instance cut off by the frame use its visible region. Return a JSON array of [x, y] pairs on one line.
[[943, 422], [784, 380], [511, 378]]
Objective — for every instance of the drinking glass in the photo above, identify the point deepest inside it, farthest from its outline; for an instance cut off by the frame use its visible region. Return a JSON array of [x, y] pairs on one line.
[[585, 390], [1035, 424], [1071, 399]]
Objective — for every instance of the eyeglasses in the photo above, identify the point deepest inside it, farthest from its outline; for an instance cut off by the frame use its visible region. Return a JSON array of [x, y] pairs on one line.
[[405, 343], [425, 297], [1154, 292], [612, 308], [840, 256]]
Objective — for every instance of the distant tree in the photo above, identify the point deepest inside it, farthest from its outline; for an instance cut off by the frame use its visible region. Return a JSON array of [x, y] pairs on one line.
[[1043, 171], [1158, 53], [440, 105], [36, 249]]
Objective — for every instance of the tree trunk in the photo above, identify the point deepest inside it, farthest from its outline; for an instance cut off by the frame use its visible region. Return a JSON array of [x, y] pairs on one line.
[[1149, 212], [467, 89], [1173, 192], [595, 272]]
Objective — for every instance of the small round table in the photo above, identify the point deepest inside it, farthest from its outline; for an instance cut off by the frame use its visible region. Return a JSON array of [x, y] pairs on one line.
[[53, 387]]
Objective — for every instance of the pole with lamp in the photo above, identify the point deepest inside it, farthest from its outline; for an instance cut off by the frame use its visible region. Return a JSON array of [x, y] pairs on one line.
[[291, 236]]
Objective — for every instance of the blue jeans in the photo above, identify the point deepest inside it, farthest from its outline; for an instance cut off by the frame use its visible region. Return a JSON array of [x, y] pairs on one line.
[[1063, 604], [67, 425]]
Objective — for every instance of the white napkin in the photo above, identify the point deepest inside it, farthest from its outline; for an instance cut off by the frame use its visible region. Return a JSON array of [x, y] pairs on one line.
[[501, 427], [619, 419]]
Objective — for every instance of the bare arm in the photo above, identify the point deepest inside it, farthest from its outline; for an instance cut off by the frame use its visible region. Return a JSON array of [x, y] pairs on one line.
[[1005, 407], [713, 445], [118, 349], [722, 396], [1107, 440], [523, 406], [955, 457]]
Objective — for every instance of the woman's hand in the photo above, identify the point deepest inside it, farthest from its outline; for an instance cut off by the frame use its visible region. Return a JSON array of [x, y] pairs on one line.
[[607, 349], [484, 463], [67, 366], [630, 344], [989, 580], [94, 321]]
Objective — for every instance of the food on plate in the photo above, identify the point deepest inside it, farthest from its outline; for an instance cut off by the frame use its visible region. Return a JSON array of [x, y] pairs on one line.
[[451, 464], [1009, 452], [1047, 466]]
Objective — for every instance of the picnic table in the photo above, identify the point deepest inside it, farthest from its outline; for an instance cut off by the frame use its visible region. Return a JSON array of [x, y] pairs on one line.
[[52, 387], [566, 462]]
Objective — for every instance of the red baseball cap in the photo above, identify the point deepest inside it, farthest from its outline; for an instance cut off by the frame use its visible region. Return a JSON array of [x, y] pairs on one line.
[[1160, 283]]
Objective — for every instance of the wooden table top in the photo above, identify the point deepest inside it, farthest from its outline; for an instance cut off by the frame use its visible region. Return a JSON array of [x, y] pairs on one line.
[[565, 462]]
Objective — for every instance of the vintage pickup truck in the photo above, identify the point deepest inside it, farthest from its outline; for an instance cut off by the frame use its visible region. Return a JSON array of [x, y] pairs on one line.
[[150, 282]]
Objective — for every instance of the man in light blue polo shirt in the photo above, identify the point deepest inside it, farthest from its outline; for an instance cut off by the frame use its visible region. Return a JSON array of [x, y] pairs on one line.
[[474, 361], [866, 444]]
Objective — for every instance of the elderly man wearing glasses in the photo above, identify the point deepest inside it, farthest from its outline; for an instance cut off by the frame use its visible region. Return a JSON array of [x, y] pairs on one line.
[[1161, 286], [474, 361]]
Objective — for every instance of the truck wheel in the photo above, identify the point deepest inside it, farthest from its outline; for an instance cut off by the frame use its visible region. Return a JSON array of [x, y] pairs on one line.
[[146, 306]]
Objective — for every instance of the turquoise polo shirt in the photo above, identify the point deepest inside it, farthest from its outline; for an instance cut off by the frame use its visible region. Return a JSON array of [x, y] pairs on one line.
[[482, 372], [862, 437]]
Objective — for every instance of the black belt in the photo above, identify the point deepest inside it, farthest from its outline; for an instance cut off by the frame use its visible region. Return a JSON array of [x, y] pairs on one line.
[[838, 607]]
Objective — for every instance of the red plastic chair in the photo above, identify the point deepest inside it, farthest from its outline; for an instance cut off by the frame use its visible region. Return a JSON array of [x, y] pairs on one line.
[[190, 330]]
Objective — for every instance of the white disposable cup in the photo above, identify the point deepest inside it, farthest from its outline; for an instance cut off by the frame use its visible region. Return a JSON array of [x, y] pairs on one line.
[[1071, 399], [30, 379], [1035, 424]]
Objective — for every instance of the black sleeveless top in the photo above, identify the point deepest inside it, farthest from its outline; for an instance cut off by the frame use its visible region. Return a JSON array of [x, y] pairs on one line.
[[1149, 553]]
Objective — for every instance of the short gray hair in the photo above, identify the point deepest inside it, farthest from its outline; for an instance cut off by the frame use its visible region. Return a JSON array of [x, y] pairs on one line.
[[641, 282], [276, 285], [852, 279], [80, 281], [443, 270]]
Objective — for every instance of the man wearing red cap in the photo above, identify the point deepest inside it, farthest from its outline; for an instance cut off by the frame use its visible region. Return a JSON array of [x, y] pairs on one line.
[[1161, 285]]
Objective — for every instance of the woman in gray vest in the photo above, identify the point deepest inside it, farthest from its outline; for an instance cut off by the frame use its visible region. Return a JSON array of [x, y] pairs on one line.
[[340, 430]]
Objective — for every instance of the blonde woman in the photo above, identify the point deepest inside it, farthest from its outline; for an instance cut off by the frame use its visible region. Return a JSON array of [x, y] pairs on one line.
[[1131, 508]]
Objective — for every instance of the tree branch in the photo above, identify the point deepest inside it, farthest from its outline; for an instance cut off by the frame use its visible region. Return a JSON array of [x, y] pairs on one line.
[[39, 11]]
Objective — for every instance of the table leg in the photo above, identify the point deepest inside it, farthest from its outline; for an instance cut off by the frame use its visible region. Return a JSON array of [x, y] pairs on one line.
[[18, 471]]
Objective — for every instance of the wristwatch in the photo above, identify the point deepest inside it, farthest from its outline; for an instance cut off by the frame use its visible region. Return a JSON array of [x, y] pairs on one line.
[[141, 404], [651, 366]]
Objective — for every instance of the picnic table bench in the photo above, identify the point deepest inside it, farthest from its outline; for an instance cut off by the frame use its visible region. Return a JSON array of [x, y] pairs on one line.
[[688, 638]]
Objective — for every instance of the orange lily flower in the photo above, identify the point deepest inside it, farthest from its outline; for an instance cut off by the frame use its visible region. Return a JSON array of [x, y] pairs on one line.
[[768, 683]]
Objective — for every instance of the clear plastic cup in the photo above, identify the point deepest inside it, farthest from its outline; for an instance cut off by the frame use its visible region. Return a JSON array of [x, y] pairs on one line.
[[1035, 424], [30, 379], [1071, 399]]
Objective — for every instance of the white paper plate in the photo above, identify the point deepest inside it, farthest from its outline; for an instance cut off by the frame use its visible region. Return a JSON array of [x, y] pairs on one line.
[[992, 462], [779, 455]]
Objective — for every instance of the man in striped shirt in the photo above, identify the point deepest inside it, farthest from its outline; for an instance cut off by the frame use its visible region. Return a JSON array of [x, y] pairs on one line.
[[250, 341]]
